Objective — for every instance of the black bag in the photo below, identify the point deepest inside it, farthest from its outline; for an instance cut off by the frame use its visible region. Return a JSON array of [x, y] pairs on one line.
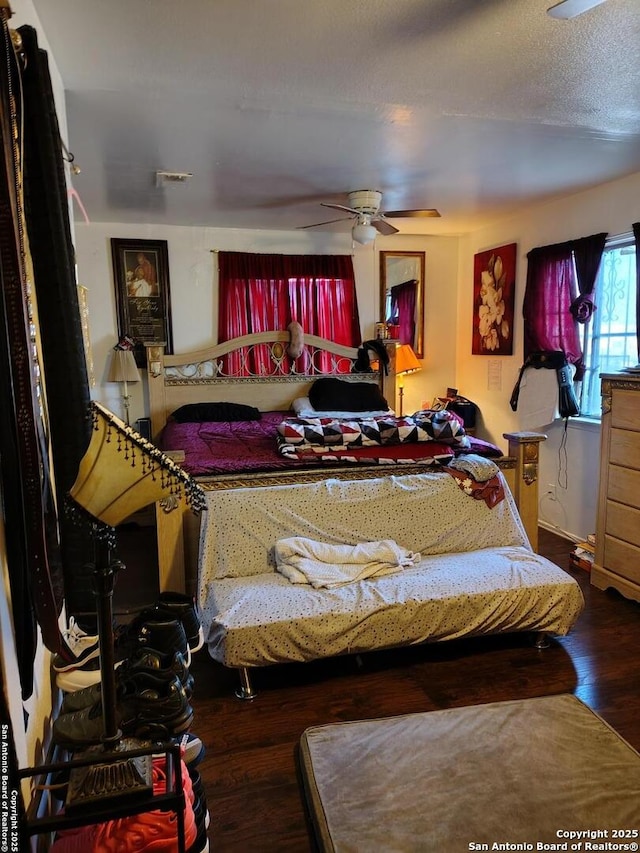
[[362, 364], [465, 409], [552, 360]]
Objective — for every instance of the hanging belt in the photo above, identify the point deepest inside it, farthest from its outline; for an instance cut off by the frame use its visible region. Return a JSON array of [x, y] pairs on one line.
[[38, 516]]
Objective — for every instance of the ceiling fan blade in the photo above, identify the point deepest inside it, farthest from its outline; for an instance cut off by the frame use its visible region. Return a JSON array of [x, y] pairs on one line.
[[411, 214], [340, 207], [383, 227], [572, 8], [328, 222]]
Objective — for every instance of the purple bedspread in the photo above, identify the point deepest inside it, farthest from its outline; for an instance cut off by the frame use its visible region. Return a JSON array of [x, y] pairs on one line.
[[234, 447]]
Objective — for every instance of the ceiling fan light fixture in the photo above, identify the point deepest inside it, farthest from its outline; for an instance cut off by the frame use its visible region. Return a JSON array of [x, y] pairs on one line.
[[365, 201], [572, 8], [363, 233]]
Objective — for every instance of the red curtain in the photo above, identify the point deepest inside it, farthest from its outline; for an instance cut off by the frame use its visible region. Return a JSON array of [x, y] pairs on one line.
[[259, 293]]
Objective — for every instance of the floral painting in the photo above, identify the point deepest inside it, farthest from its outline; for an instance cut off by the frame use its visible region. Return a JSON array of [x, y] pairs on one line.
[[494, 284]]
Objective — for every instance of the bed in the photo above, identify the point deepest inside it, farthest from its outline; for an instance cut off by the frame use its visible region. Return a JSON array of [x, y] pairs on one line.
[[258, 371]]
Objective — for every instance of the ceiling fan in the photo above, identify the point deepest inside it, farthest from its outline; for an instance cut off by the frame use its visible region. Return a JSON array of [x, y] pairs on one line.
[[364, 207], [572, 8]]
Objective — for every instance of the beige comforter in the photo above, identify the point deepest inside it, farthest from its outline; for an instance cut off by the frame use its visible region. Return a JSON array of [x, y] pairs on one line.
[[477, 573]]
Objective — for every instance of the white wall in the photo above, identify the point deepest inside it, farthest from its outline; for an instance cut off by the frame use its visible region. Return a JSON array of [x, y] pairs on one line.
[[193, 292], [612, 207], [448, 317]]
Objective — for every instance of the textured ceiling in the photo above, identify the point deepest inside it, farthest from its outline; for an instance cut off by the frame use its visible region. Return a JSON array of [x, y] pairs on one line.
[[476, 107]]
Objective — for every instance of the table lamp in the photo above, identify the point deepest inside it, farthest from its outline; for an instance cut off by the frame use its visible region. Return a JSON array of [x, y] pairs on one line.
[[123, 368], [406, 362]]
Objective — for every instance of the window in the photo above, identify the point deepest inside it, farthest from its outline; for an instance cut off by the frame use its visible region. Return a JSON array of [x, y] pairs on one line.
[[260, 292], [610, 341]]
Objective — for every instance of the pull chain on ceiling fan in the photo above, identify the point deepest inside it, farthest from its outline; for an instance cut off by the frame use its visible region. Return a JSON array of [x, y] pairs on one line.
[[364, 207]]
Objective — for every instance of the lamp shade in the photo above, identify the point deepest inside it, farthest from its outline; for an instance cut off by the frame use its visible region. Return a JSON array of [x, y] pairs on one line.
[[122, 367], [121, 472], [406, 359], [363, 234]]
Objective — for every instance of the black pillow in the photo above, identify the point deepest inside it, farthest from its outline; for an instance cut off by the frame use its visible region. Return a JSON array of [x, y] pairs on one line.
[[336, 395], [199, 412]]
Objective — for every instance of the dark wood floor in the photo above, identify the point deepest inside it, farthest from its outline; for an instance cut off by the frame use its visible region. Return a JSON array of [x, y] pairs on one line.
[[250, 769]]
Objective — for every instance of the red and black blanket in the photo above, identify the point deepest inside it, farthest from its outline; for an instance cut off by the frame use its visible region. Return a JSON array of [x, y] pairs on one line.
[[382, 430]]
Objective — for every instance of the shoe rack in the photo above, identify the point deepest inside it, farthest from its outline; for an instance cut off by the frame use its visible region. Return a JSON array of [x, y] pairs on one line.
[[172, 800]]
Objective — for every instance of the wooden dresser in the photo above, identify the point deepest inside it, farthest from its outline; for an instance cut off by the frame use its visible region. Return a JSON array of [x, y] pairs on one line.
[[617, 560]]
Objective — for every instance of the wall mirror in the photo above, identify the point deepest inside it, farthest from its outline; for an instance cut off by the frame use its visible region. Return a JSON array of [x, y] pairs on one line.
[[402, 297]]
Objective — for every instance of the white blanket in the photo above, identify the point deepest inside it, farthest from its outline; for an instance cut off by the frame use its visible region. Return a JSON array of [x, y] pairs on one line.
[[321, 564], [479, 468]]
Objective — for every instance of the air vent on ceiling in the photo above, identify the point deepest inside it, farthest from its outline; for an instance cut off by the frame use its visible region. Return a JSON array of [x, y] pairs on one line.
[[163, 177]]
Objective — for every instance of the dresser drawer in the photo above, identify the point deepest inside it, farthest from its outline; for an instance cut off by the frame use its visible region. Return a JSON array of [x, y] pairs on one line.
[[625, 448], [623, 522], [624, 486], [622, 558], [624, 409]]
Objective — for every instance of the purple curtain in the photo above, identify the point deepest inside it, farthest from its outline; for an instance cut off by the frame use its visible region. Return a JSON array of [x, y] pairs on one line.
[[636, 234], [403, 309], [587, 253], [558, 295]]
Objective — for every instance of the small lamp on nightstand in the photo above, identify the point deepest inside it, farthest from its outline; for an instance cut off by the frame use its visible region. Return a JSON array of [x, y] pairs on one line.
[[123, 368], [406, 362]]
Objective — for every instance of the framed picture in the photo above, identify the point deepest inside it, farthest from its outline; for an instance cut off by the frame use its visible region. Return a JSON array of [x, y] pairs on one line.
[[141, 278], [494, 284]]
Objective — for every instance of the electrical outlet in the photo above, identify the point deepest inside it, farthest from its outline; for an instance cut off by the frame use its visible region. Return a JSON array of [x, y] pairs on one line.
[[551, 491]]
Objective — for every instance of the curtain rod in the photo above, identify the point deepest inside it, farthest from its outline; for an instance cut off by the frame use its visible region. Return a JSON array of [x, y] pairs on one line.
[[216, 251]]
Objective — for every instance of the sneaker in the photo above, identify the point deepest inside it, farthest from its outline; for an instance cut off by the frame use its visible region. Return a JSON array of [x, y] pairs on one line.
[[160, 778], [163, 635], [202, 820], [79, 678], [191, 749], [200, 812], [183, 607], [148, 832], [155, 630], [151, 660], [147, 706], [146, 660], [78, 648], [196, 783]]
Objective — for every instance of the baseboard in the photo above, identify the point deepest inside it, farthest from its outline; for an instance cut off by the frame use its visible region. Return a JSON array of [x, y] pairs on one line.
[[553, 528]]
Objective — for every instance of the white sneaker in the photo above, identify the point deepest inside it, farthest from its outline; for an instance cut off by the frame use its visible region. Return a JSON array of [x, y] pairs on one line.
[[78, 678], [80, 648]]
